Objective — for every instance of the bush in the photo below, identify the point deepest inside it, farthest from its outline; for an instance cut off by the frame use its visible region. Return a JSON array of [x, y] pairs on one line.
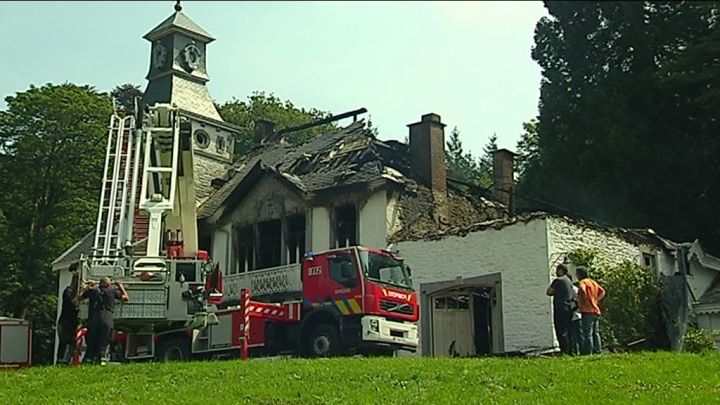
[[697, 340], [631, 307]]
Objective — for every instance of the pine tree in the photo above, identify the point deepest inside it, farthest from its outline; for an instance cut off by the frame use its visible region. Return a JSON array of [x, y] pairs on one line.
[[485, 162]]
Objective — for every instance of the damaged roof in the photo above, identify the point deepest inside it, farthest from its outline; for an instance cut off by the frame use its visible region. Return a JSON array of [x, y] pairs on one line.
[[712, 294], [72, 254], [349, 156], [633, 236]]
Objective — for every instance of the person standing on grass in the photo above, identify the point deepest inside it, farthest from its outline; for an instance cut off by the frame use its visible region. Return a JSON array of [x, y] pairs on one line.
[[562, 292], [590, 293], [574, 322], [68, 322], [100, 317]]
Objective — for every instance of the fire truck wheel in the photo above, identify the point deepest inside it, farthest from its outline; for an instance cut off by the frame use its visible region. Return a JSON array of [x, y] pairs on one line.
[[324, 341], [174, 349]]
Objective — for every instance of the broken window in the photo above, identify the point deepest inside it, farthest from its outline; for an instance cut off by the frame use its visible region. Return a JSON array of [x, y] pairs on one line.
[[295, 241], [269, 244], [649, 260], [244, 249], [345, 229]]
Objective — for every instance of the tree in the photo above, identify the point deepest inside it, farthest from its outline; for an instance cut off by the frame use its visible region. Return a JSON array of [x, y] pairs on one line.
[[51, 161], [124, 96], [466, 167], [627, 132], [527, 147], [269, 107], [461, 164], [485, 163]]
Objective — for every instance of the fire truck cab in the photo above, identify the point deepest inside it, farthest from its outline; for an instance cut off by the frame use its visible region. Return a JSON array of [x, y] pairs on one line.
[[354, 299]]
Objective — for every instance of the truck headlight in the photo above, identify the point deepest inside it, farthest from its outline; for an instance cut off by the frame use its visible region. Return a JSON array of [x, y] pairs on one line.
[[375, 325]]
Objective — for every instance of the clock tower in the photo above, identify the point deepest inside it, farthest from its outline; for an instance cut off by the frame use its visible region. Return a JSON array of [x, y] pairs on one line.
[[177, 75], [178, 65]]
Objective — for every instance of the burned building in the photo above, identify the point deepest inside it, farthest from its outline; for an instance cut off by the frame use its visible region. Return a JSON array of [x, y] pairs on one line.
[[342, 188]]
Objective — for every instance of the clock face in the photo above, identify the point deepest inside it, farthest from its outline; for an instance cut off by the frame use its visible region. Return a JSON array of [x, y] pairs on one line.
[[192, 56], [159, 55]]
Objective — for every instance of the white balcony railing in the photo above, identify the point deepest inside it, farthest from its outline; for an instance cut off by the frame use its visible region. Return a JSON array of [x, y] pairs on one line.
[[275, 280]]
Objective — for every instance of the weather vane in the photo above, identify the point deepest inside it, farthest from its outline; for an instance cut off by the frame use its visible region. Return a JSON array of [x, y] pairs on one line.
[[178, 7]]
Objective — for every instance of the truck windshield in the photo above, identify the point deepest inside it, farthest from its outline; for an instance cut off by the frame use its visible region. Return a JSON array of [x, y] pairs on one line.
[[385, 269]]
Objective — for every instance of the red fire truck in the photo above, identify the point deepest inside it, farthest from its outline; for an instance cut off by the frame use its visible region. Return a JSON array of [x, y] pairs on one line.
[[348, 300], [343, 301]]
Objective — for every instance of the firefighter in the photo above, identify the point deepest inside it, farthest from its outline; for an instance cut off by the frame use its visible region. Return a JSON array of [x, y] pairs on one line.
[[100, 317], [68, 321]]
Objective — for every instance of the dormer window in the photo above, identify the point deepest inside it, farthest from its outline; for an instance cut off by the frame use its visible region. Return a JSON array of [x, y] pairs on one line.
[[202, 139], [220, 144]]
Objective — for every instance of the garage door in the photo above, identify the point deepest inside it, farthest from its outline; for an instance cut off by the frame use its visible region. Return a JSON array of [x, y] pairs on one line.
[[452, 325]]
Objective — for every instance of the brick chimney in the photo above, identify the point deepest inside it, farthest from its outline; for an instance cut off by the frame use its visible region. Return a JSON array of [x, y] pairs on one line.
[[502, 176], [263, 131], [427, 152]]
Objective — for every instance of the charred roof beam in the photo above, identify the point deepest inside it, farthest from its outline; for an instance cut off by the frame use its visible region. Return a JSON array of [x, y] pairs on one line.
[[332, 118]]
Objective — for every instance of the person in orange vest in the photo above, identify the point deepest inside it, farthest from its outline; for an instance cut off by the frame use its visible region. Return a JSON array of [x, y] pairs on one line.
[[590, 293]]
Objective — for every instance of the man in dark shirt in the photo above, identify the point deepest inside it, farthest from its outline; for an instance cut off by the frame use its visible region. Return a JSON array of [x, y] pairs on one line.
[[562, 292], [101, 304], [67, 323]]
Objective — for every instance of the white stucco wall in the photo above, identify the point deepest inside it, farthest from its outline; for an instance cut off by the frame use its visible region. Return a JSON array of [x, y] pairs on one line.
[[373, 226], [565, 237], [518, 252], [667, 264], [392, 214], [320, 229]]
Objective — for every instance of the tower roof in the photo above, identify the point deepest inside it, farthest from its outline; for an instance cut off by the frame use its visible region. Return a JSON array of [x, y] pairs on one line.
[[179, 22]]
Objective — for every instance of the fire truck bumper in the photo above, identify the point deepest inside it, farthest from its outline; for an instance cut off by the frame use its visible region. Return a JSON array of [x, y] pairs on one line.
[[377, 330]]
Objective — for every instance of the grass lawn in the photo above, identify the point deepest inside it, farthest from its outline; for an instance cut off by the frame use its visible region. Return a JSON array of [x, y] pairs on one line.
[[659, 378]]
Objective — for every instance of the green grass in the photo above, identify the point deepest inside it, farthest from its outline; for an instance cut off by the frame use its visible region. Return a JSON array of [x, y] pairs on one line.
[[657, 378]]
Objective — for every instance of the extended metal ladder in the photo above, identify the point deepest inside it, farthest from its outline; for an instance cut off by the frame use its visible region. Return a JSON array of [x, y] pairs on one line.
[[161, 128], [118, 174]]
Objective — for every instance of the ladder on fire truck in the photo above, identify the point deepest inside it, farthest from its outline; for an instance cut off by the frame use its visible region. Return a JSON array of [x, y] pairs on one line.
[[161, 130], [116, 200], [140, 174]]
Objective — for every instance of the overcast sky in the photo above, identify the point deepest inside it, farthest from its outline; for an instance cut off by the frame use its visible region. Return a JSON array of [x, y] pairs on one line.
[[467, 61]]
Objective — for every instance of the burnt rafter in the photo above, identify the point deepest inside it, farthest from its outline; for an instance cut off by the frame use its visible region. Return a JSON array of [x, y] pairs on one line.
[[332, 118]]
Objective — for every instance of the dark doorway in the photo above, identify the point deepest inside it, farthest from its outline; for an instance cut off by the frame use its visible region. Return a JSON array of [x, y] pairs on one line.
[[269, 246], [244, 249], [295, 238], [482, 316], [345, 226]]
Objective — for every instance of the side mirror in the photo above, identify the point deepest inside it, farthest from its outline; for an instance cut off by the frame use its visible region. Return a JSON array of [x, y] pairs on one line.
[[409, 271]]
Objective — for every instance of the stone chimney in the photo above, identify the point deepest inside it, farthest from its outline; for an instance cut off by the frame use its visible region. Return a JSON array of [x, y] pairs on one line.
[[263, 131], [502, 175], [427, 152]]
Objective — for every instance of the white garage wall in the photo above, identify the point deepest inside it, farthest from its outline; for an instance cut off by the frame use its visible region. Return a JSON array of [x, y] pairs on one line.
[[519, 252]]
